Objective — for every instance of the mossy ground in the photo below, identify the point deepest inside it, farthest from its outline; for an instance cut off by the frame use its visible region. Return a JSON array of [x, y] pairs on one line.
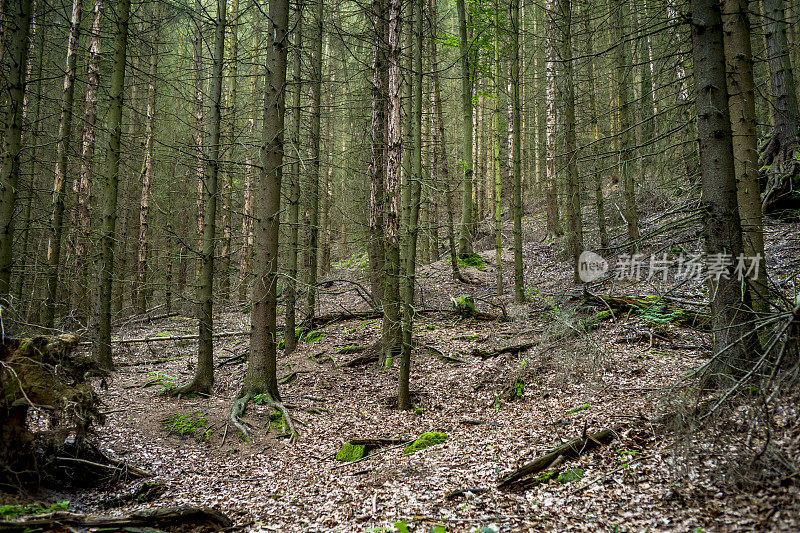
[[474, 261], [187, 425], [14, 511], [429, 438]]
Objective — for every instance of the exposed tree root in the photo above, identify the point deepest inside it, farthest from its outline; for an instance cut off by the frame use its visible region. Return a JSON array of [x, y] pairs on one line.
[[514, 348], [240, 407]]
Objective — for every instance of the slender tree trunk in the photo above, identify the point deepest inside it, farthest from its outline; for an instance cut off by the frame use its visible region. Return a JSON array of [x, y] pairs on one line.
[[290, 341], [619, 16], [18, 30], [415, 183], [553, 218], [722, 229], [204, 373], [377, 164], [261, 375], [741, 90], [779, 153], [140, 290], [61, 174], [573, 203], [250, 166], [516, 150], [392, 331], [226, 216], [105, 265], [315, 102], [597, 175], [197, 53], [498, 180], [88, 140], [465, 237]]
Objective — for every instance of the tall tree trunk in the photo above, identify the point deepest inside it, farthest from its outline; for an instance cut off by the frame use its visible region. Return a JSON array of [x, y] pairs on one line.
[[722, 229], [204, 373], [619, 17], [553, 218], [197, 53], [315, 102], [250, 166], [741, 90], [261, 375], [392, 331], [377, 163], [289, 338], [573, 200], [465, 237], [140, 290], [783, 174], [105, 265], [441, 149], [415, 186], [597, 175], [498, 180], [516, 150], [18, 29], [61, 174], [88, 140], [226, 218]]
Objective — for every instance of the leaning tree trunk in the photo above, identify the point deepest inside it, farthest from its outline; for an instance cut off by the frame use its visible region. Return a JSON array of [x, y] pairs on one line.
[[733, 339], [19, 31], [204, 373], [465, 236], [105, 265], [780, 154], [61, 174]]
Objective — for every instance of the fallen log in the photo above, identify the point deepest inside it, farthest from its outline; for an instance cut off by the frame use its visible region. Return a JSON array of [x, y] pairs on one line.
[[571, 450], [140, 340], [165, 518], [514, 348], [653, 308]]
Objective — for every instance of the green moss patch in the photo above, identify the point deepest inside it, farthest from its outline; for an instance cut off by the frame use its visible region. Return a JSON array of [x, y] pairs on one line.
[[464, 305], [14, 511], [187, 425], [314, 336], [429, 438], [350, 452], [474, 261]]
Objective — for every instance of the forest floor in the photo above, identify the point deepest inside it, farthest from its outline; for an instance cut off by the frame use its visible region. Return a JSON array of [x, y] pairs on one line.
[[627, 372]]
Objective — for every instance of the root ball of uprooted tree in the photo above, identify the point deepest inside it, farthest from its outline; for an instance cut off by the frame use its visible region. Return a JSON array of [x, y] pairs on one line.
[[47, 410]]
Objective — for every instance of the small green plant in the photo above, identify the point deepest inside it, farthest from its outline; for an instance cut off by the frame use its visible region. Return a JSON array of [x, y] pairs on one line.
[[261, 399], [578, 409], [429, 438], [417, 409], [570, 475], [519, 388], [14, 511]]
